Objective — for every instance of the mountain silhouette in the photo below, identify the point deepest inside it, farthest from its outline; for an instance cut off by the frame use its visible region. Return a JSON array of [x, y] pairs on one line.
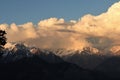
[[35, 68], [111, 67]]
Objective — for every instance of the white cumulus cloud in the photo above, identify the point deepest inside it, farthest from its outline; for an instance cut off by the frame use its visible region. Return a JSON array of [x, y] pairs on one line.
[[100, 31]]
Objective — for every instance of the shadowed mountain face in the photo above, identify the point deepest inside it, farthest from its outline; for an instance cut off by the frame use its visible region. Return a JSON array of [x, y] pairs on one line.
[[34, 68], [110, 67], [85, 61], [20, 62]]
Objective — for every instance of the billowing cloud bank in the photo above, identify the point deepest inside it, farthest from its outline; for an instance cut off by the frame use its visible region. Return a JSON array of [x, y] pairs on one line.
[[102, 31]]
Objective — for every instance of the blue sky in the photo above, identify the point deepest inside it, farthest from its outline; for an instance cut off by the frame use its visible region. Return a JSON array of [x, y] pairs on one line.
[[22, 11]]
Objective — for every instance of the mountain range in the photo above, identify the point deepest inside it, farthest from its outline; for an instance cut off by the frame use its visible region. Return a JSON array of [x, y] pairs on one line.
[[21, 62]]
